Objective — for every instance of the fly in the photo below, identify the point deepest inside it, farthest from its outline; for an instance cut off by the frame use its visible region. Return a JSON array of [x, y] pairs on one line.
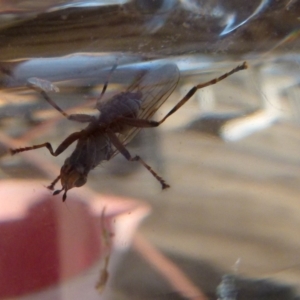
[[120, 118]]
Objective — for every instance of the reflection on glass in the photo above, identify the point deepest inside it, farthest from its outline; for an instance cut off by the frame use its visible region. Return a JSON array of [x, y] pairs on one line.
[[230, 154]]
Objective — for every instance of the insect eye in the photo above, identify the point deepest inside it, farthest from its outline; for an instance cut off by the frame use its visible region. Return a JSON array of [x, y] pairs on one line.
[[80, 181]]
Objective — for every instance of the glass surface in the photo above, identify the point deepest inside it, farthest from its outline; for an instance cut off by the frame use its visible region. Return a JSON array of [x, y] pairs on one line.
[[228, 226]]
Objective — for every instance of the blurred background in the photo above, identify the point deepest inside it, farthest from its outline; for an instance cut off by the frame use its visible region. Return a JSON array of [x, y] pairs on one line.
[[228, 228]]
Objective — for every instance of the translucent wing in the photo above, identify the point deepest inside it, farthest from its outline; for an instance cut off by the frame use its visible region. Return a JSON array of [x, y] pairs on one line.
[[156, 85]]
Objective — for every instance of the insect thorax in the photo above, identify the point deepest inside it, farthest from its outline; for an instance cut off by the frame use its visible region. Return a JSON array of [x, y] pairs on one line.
[[126, 104]]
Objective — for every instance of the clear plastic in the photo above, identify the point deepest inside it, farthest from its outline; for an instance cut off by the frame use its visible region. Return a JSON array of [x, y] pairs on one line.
[[227, 228]]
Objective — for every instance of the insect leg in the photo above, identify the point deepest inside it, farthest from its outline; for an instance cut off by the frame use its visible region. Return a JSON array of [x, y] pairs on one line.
[[143, 123], [116, 142], [53, 183], [61, 148], [82, 118], [140, 123], [105, 84], [193, 90], [51, 102]]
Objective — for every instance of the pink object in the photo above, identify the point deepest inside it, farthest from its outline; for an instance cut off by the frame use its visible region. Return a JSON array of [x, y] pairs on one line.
[[44, 241]]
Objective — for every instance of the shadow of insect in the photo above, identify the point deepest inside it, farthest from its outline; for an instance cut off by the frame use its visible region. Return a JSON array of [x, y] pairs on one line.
[[120, 118]]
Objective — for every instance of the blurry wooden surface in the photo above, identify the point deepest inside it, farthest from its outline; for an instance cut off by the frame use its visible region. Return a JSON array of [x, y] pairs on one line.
[[152, 33], [227, 201]]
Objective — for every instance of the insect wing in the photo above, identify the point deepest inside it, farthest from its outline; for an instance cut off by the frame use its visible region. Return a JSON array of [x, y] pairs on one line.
[[155, 85]]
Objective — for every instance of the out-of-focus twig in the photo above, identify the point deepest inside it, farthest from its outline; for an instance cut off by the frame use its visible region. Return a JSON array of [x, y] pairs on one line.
[[178, 280]]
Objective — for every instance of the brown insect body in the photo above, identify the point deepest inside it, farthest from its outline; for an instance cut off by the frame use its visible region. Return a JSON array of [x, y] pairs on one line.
[[120, 118], [90, 150], [126, 104], [93, 145]]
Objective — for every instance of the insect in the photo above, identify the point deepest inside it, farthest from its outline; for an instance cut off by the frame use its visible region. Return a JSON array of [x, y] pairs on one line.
[[120, 118]]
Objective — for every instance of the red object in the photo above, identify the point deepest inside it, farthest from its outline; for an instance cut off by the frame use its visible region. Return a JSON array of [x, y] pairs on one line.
[[49, 243], [44, 242]]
